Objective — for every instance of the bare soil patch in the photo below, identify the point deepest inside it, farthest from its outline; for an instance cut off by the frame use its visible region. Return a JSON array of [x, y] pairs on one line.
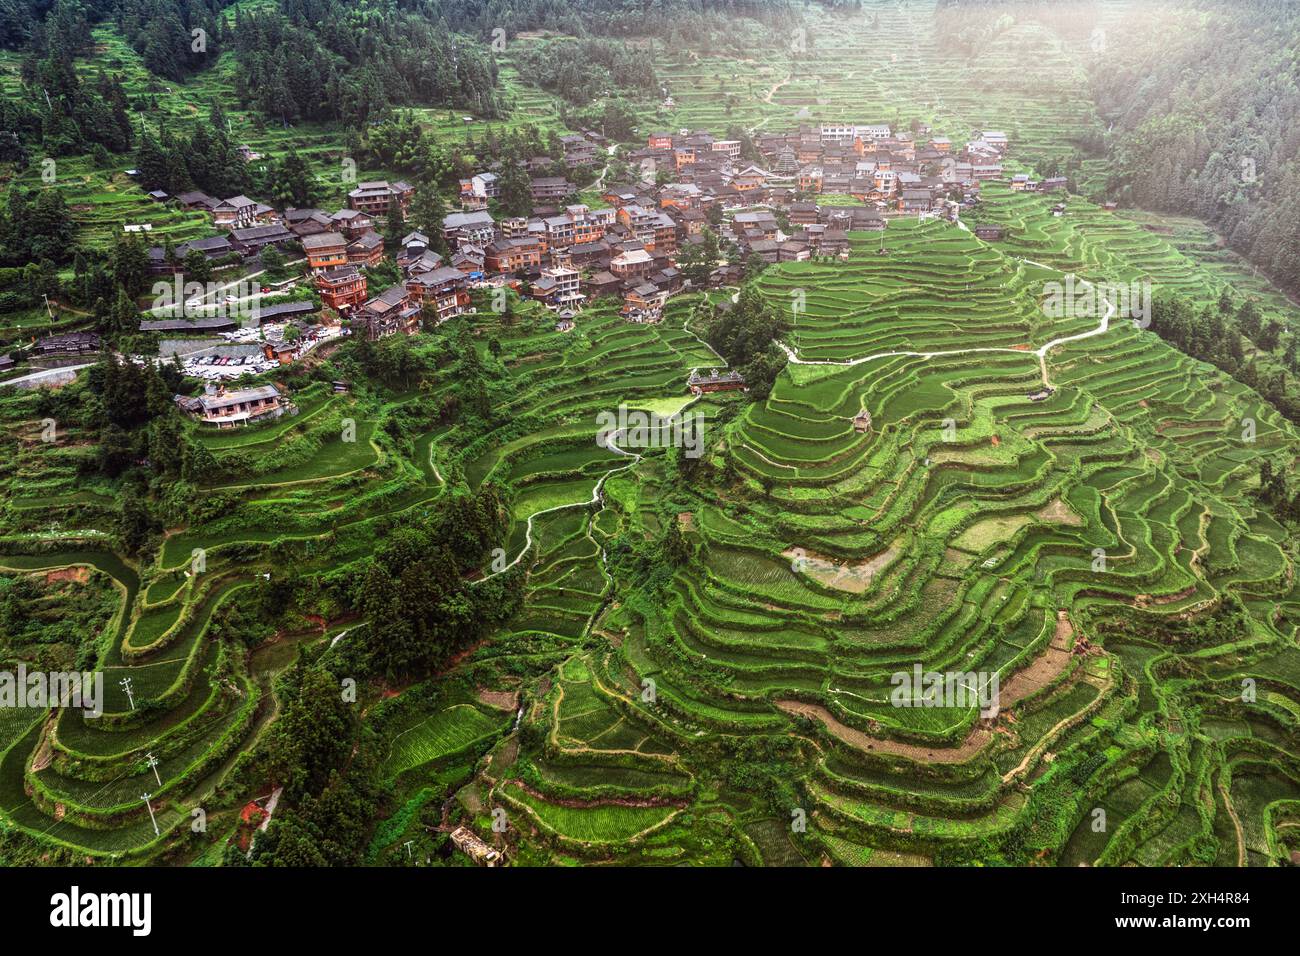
[[1042, 671], [500, 699], [1146, 600], [956, 559], [77, 575], [974, 742], [989, 531], [1057, 511], [853, 577]]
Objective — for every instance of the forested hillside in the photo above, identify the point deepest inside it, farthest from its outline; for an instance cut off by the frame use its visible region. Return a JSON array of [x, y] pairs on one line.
[[329, 60], [707, 27], [1200, 100], [325, 59], [1204, 99], [297, 60], [160, 30]]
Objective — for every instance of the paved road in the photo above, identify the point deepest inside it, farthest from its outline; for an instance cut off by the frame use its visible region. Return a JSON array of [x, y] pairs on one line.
[[205, 296], [49, 376]]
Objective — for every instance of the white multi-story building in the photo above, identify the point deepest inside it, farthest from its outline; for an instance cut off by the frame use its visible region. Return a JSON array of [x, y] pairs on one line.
[[845, 133], [560, 285], [842, 133]]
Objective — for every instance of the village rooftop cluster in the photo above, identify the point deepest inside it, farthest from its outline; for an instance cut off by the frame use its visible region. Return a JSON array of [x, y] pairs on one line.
[[796, 197], [567, 254]]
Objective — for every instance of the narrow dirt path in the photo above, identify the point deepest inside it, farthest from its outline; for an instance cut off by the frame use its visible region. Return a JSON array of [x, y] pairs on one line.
[[767, 97], [1040, 352], [597, 495], [1102, 327], [600, 180], [1236, 823]]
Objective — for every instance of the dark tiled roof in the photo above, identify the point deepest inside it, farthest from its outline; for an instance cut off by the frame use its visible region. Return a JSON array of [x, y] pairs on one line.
[[269, 313]]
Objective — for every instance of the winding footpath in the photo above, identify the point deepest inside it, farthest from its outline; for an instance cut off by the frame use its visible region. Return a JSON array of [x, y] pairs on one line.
[[1102, 327], [595, 499], [597, 494], [50, 376], [600, 180], [1041, 352]]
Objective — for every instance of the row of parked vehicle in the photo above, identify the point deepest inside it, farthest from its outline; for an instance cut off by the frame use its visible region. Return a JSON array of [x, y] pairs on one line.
[[226, 366]]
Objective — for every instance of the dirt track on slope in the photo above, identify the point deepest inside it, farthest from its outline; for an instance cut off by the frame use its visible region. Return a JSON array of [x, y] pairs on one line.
[[854, 578], [1028, 680], [968, 748]]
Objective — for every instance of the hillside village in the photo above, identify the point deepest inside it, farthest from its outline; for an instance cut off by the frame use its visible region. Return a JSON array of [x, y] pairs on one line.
[[704, 212], [761, 434]]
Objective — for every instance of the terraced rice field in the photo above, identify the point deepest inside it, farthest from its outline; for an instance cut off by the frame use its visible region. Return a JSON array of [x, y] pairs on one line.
[[980, 513], [959, 533], [436, 737], [1099, 548]]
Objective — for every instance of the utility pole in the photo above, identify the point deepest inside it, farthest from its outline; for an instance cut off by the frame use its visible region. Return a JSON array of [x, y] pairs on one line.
[[125, 684], [153, 765], [152, 818]]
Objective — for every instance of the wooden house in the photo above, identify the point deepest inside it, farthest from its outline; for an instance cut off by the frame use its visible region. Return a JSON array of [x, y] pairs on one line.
[[326, 250], [341, 288]]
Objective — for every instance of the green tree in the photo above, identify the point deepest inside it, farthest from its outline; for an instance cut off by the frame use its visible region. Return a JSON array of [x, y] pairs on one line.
[[515, 190], [196, 266], [273, 261], [291, 182], [676, 549], [130, 265], [134, 524]]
